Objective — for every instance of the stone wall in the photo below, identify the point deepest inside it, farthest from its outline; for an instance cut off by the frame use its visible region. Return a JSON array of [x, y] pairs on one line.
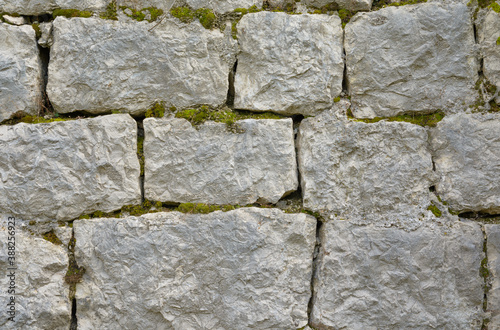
[[248, 164]]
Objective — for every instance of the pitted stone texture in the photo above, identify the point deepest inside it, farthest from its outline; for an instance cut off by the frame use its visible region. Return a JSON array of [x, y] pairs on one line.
[[219, 6], [248, 268], [289, 64], [466, 153], [365, 172], [46, 39], [60, 170], [216, 166], [131, 66], [493, 251], [488, 34], [41, 295], [411, 59], [371, 277], [20, 71], [40, 7], [353, 5]]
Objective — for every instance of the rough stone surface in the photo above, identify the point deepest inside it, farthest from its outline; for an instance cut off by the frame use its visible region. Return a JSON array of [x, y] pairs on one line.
[[365, 172], [39, 7], [417, 58], [250, 267], [488, 34], [371, 277], [289, 64], [216, 166], [20, 71], [222, 6], [466, 153], [353, 5], [131, 67], [493, 251], [60, 170], [46, 39], [14, 20], [41, 296]]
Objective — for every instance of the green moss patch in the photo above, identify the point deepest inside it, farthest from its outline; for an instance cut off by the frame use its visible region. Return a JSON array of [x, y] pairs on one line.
[[387, 3], [157, 110], [495, 6], [38, 32], [206, 16], [111, 12], [434, 209], [140, 152], [29, 119], [140, 16], [52, 238], [430, 120], [69, 13], [498, 41]]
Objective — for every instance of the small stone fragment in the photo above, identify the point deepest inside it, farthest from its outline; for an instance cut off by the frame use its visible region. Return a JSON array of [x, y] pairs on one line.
[[488, 37], [371, 277], [46, 39], [60, 170], [250, 267], [20, 71], [211, 164], [466, 153], [417, 58], [14, 20], [290, 64]]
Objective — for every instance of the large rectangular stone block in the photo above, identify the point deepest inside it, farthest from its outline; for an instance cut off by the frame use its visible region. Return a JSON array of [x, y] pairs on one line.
[[40, 7], [41, 295], [245, 269], [20, 71], [60, 170], [289, 64], [466, 153], [387, 278], [214, 165], [101, 65], [365, 172], [417, 58]]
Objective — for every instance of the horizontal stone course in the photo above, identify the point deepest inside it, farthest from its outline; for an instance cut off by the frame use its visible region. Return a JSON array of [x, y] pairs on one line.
[[20, 71], [416, 58], [289, 64], [60, 170], [352, 5], [466, 153], [40, 7], [211, 164], [248, 268], [100, 65], [370, 277], [41, 295]]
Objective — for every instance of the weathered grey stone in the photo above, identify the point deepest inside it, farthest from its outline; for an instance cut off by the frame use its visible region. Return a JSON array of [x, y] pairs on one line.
[[14, 20], [365, 172], [417, 58], [46, 39], [289, 64], [222, 6], [466, 153], [386, 278], [353, 5], [20, 71], [249, 269], [133, 66], [214, 165], [60, 170], [493, 251], [41, 295], [488, 34], [40, 7]]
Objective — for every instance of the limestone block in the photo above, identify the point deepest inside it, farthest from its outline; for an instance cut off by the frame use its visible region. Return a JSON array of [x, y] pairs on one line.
[[466, 153], [213, 165], [20, 71], [488, 34], [60, 170], [219, 6], [493, 251], [132, 66], [289, 64], [352, 5], [387, 278], [365, 172], [416, 58], [248, 268], [46, 39], [40, 7], [41, 295]]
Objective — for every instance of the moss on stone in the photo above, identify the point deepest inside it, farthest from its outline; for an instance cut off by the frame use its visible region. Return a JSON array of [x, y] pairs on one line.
[[345, 16], [69, 13], [140, 16], [435, 210], [495, 6], [52, 238], [29, 119], [157, 110], [185, 14], [140, 152], [38, 32], [430, 120], [387, 3], [498, 41], [111, 11], [337, 99]]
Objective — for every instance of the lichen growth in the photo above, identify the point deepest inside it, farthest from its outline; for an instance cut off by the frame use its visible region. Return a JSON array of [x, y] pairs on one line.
[[52, 238], [157, 110], [140, 16], [423, 120], [38, 32], [206, 16], [435, 210], [486, 90], [69, 13], [111, 12]]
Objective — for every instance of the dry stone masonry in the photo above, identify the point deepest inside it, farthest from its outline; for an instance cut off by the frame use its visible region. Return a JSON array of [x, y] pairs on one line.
[[250, 164]]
